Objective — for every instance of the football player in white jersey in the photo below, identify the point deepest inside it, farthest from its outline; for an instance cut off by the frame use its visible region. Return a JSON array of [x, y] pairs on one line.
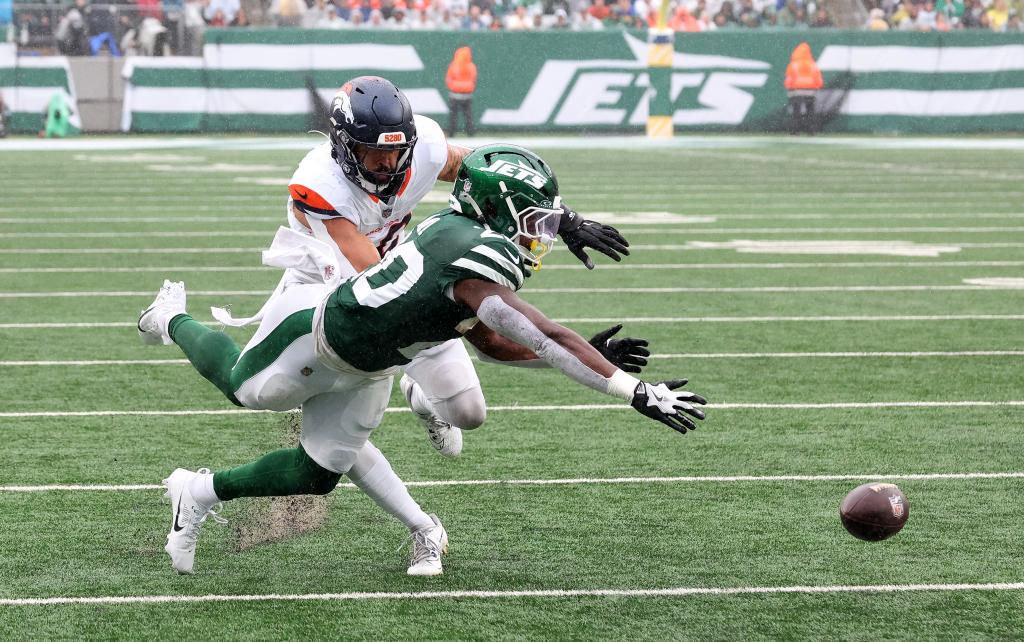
[[333, 349], [357, 192]]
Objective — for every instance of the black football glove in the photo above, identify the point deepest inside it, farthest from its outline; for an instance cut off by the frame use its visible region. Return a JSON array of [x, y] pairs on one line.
[[627, 354], [580, 234], [660, 402]]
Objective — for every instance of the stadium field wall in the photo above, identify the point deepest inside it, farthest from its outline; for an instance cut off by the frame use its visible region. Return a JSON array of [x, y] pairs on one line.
[[918, 83], [256, 80], [27, 84]]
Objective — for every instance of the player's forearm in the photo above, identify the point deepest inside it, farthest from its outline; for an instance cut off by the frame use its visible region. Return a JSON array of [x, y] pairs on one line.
[[560, 347], [535, 362], [354, 250], [491, 347], [451, 168]]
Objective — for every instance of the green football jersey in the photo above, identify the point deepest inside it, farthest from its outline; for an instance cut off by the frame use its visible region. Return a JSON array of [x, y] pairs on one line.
[[391, 311]]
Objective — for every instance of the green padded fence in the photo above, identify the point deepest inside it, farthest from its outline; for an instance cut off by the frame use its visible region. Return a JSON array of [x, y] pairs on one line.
[[256, 80], [28, 83]]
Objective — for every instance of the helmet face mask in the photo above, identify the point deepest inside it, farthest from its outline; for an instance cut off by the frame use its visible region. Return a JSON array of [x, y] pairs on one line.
[[514, 193], [369, 118], [537, 228]]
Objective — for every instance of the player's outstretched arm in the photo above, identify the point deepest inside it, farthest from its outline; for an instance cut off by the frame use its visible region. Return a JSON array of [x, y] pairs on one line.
[[628, 353], [580, 235], [500, 309]]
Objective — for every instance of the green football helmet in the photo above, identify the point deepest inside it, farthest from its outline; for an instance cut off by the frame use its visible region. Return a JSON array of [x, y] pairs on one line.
[[513, 192]]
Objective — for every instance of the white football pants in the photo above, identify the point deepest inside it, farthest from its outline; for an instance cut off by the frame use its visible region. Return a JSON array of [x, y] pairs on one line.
[[339, 410]]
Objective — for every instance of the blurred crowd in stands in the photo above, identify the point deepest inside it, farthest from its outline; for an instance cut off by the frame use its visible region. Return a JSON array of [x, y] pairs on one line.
[[155, 27], [946, 15]]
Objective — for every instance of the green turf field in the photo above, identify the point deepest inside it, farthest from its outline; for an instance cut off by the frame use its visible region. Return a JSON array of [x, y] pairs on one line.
[[854, 312]]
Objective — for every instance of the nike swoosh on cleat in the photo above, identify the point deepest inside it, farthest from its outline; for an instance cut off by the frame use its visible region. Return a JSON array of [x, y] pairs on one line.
[[177, 513], [144, 312]]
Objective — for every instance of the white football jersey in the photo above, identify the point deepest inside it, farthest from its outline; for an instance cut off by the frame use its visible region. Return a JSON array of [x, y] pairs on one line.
[[319, 189]]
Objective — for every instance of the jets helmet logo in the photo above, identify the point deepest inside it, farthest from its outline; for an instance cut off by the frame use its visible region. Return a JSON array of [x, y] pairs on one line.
[[520, 172]]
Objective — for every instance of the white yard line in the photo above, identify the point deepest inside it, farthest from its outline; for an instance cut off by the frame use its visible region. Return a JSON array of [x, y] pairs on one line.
[[136, 220], [714, 479], [681, 355], [648, 230], [549, 408], [798, 319], [619, 290], [134, 235], [236, 250], [547, 268], [125, 293], [858, 216], [698, 246], [702, 145], [817, 163], [129, 270], [688, 231], [525, 594], [136, 250], [811, 319], [169, 218], [833, 355], [99, 362]]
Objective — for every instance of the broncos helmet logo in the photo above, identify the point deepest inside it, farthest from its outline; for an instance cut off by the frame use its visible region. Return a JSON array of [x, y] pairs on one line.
[[343, 103]]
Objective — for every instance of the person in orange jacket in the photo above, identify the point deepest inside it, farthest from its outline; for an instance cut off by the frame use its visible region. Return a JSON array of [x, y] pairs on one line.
[[803, 80], [461, 82]]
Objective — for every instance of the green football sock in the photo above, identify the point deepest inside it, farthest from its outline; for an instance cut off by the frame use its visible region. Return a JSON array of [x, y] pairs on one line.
[[212, 353], [289, 471]]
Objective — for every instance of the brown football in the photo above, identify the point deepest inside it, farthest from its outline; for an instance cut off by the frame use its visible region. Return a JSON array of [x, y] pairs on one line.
[[874, 511]]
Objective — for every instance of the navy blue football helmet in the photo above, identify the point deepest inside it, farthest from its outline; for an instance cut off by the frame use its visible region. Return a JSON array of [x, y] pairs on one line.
[[367, 113]]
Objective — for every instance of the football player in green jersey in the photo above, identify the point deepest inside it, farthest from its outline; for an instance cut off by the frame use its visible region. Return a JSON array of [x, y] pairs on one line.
[[334, 351]]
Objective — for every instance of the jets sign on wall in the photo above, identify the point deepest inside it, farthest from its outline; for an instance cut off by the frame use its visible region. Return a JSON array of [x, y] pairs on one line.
[[541, 81]]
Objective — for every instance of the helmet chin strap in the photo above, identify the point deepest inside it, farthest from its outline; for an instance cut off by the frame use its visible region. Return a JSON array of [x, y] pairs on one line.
[[375, 188], [534, 244]]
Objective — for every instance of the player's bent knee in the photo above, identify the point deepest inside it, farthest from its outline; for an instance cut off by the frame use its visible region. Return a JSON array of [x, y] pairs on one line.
[[279, 392], [319, 480], [324, 483], [467, 410], [334, 456]]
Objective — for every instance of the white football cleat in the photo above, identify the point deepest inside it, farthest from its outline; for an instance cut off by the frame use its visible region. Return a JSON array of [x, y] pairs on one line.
[[187, 517], [428, 545], [169, 303], [446, 438]]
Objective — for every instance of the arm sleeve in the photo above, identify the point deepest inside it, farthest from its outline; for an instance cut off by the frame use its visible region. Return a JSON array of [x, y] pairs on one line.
[[431, 144], [513, 324]]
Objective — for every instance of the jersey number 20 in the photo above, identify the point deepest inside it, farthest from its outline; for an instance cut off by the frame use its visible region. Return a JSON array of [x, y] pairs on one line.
[[395, 275]]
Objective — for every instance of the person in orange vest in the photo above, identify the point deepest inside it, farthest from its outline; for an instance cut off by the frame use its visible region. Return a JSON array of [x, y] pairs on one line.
[[461, 82], [803, 80]]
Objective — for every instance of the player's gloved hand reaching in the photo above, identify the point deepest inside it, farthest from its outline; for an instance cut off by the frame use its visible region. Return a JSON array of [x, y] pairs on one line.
[[580, 234], [628, 354], [661, 402]]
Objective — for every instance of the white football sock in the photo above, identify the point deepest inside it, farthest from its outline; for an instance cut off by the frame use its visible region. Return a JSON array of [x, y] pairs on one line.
[[372, 474], [201, 489], [419, 402]]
